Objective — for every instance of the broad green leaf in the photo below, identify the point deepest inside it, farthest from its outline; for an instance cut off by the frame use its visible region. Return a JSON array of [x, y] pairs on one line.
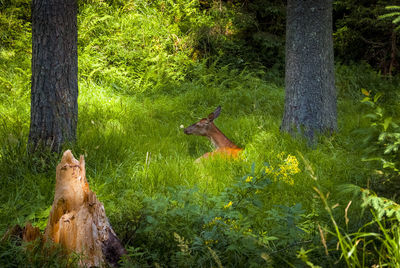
[[365, 92]]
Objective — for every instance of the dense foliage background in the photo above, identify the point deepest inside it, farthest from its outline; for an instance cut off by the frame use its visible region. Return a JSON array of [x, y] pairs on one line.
[[147, 67]]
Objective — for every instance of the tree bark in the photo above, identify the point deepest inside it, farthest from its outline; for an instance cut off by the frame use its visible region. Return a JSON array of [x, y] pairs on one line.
[[77, 218], [310, 101], [54, 91], [393, 52]]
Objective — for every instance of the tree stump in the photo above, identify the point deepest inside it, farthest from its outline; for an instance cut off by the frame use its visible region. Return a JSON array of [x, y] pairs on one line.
[[26, 234], [77, 218]]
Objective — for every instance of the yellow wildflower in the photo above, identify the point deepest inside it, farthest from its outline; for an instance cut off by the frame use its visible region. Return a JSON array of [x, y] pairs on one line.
[[280, 155], [212, 223], [269, 170], [216, 219], [210, 242], [249, 178], [228, 205], [290, 166]]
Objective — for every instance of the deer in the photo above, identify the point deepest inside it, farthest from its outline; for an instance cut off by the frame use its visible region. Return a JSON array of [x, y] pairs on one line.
[[206, 127]]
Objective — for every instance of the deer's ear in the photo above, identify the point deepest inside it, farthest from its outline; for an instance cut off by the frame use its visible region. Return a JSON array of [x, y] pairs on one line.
[[214, 114]]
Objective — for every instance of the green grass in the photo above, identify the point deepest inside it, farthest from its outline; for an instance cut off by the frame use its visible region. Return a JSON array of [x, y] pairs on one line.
[[138, 83]]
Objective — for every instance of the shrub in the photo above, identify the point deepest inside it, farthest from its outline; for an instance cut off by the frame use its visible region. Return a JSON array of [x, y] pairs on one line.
[[238, 227], [382, 142]]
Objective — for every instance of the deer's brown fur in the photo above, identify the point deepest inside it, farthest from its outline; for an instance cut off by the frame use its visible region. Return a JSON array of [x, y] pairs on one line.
[[206, 127]]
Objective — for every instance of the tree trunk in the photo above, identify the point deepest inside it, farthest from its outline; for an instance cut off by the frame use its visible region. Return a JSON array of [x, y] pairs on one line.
[[393, 53], [310, 101], [54, 92], [78, 220]]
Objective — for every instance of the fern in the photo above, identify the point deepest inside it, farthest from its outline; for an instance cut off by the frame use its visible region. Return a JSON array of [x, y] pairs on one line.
[[395, 14], [382, 206]]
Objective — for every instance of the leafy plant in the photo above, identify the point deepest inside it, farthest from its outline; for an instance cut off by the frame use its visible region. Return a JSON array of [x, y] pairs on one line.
[[394, 13], [235, 228], [360, 36], [377, 241], [383, 139]]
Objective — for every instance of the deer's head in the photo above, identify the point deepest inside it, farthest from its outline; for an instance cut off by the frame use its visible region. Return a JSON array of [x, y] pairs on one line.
[[203, 127]]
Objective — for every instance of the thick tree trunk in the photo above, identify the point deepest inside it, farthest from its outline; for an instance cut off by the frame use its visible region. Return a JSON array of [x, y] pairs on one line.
[[54, 92], [77, 219], [310, 102]]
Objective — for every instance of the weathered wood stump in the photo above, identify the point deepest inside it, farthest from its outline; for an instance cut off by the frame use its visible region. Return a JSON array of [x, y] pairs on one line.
[[27, 233], [77, 218]]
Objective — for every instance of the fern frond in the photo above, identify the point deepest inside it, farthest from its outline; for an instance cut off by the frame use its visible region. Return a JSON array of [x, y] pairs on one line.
[[381, 205], [388, 15], [392, 7]]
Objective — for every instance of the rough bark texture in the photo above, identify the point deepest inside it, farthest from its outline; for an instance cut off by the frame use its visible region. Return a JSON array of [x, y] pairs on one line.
[[394, 53], [77, 219], [310, 101], [54, 92]]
